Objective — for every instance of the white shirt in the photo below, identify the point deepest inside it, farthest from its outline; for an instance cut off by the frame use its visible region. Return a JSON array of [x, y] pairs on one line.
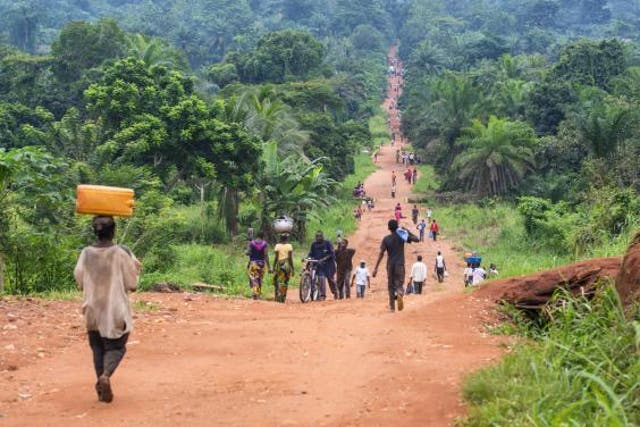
[[361, 276], [440, 261], [468, 272], [478, 275], [429, 212], [419, 272]]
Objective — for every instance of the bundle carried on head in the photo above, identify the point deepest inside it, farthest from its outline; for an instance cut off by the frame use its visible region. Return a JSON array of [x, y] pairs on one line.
[[104, 201]]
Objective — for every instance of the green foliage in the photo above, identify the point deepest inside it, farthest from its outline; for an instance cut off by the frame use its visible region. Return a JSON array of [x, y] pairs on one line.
[[223, 74], [581, 370], [81, 46], [590, 63], [279, 56], [496, 157], [291, 187]]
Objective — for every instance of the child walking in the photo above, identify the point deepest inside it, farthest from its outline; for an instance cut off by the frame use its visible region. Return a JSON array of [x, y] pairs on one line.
[[361, 278]]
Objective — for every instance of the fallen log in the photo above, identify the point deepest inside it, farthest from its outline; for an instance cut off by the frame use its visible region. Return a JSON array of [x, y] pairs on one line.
[[165, 287], [533, 291], [203, 286]]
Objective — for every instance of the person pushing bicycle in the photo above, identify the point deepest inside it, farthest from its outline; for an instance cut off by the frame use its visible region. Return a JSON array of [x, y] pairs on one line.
[[322, 250]]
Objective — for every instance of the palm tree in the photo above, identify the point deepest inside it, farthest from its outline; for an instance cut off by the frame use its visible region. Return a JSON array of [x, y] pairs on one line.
[[496, 157], [269, 119], [292, 187], [154, 51], [604, 127], [510, 96], [429, 58], [456, 101]]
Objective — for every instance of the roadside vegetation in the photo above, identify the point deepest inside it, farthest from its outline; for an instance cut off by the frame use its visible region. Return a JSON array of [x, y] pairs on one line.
[[579, 367], [274, 117]]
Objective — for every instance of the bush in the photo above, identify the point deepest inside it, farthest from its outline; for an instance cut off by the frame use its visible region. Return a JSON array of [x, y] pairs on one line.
[[40, 262]]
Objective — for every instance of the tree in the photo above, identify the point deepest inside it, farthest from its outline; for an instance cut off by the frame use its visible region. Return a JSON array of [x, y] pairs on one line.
[[457, 100], [496, 157], [330, 142], [269, 119], [590, 63], [279, 56], [547, 104], [292, 187], [603, 127], [429, 58], [155, 51], [83, 45], [222, 74]]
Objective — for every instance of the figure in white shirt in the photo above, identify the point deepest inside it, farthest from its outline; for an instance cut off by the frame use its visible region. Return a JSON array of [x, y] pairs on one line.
[[478, 275], [418, 275], [361, 278]]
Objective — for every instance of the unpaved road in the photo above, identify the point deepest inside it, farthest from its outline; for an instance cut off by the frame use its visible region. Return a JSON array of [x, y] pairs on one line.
[[202, 361]]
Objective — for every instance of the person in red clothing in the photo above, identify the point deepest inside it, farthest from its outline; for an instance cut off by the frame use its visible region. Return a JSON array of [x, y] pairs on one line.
[[434, 230], [408, 175]]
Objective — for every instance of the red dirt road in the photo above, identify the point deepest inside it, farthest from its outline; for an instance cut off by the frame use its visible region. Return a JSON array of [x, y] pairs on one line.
[[202, 361]]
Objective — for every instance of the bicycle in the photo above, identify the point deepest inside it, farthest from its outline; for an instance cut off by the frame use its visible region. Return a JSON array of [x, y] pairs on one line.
[[309, 281]]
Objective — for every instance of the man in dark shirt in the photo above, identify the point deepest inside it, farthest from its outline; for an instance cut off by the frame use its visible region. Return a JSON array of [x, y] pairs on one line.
[[344, 262], [322, 250], [393, 245]]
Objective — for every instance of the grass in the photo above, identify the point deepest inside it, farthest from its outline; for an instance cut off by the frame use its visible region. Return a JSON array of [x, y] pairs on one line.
[[428, 180], [582, 370], [60, 295], [497, 234], [145, 306], [223, 264], [378, 128]]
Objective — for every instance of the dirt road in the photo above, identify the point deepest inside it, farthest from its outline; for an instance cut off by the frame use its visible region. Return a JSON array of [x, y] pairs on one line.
[[202, 361]]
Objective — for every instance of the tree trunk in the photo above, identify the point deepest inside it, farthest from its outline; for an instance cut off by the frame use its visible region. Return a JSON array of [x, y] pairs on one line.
[[231, 210], [1, 273]]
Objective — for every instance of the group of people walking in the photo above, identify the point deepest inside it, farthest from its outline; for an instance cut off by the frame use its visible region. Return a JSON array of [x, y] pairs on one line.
[[334, 267]]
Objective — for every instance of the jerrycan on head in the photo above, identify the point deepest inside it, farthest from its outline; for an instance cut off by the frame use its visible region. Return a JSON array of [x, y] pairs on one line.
[[103, 200]]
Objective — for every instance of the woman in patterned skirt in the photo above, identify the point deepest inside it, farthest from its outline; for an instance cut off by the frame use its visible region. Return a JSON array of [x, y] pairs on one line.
[[283, 266], [258, 259]]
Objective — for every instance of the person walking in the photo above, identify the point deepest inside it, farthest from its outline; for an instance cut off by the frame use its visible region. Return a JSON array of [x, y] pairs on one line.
[[105, 272], [258, 260], [393, 245], [440, 267], [434, 230], [422, 226], [414, 176], [418, 275], [283, 268], [322, 250], [344, 264], [414, 214], [393, 191], [361, 278], [429, 214]]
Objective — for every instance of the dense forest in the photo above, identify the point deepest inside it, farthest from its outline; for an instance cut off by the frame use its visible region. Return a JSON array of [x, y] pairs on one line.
[[534, 103], [247, 109]]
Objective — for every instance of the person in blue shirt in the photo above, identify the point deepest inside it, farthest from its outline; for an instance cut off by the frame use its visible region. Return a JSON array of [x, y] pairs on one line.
[[422, 226], [322, 250]]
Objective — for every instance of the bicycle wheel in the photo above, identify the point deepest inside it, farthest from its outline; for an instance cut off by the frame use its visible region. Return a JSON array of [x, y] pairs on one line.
[[305, 287], [315, 287]]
